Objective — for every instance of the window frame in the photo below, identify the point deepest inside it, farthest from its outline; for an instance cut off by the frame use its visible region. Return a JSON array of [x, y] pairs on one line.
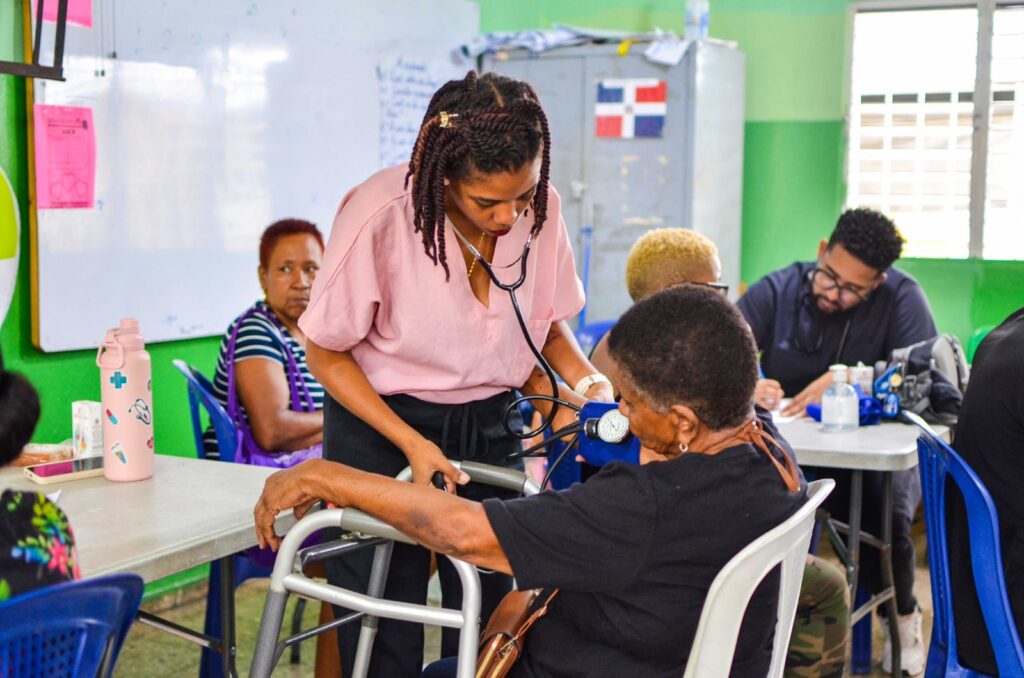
[[982, 95]]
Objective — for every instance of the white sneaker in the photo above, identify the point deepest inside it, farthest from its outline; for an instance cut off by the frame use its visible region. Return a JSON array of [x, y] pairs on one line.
[[912, 650]]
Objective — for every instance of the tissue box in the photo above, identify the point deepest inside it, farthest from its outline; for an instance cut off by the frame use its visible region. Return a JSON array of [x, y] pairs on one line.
[[87, 428]]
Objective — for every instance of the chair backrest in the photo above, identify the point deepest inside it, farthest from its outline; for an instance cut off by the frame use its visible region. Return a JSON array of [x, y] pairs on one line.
[[72, 629], [938, 461], [715, 641], [200, 392]]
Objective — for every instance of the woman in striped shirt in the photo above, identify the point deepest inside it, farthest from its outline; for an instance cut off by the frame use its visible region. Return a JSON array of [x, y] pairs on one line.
[[278, 398]]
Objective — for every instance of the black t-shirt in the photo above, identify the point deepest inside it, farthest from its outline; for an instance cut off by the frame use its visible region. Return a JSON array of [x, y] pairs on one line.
[[798, 341], [634, 551], [990, 438]]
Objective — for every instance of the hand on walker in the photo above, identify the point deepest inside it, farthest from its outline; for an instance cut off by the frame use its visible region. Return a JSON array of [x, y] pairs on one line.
[[282, 491], [427, 459]]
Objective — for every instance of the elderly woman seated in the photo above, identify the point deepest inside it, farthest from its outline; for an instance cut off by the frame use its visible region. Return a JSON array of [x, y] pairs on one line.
[[635, 548], [262, 378]]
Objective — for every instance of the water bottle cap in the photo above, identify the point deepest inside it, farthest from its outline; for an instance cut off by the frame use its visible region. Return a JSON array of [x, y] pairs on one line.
[[839, 372], [128, 334]]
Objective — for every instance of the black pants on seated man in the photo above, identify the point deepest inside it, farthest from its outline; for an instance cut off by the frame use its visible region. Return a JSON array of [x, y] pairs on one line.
[[906, 495]]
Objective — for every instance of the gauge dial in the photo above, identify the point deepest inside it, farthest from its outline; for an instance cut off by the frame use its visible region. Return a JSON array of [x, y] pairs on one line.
[[613, 427]]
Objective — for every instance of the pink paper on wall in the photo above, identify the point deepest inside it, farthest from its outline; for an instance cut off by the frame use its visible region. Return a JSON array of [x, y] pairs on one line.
[[79, 11], [65, 156]]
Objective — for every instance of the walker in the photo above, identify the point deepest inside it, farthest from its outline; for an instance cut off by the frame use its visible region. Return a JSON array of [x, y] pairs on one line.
[[366, 531]]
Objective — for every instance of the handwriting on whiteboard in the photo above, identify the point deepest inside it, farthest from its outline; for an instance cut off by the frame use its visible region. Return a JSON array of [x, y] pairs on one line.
[[406, 85]]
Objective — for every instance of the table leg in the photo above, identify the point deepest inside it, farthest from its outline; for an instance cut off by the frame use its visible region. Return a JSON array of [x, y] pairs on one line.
[[853, 537], [887, 575], [227, 616]]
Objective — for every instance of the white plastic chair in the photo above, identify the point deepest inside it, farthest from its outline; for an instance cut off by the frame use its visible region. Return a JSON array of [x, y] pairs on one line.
[[715, 641]]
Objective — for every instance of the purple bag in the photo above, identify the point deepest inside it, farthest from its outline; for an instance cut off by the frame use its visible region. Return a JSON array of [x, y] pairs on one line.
[[248, 452]]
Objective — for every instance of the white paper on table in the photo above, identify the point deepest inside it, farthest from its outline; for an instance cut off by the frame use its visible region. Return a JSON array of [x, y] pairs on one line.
[[55, 497], [780, 418]]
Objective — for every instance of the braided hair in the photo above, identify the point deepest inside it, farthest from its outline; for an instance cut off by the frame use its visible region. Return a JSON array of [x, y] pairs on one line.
[[486, 124]]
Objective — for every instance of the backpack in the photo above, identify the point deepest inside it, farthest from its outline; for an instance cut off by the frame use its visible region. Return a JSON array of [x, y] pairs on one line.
[[933, 376]]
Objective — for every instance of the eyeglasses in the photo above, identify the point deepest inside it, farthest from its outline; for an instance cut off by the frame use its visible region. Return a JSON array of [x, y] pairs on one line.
[[718, 287], [827, 280]]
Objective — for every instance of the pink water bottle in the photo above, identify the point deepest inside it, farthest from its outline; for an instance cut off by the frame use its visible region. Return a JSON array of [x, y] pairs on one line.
[[126, 386]]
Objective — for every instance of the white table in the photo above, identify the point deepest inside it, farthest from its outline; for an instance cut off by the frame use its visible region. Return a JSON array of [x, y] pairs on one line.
[[190, 512], [887, 447]]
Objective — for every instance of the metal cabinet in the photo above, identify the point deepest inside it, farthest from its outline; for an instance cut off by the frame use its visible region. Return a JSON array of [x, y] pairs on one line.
[[615, 189]]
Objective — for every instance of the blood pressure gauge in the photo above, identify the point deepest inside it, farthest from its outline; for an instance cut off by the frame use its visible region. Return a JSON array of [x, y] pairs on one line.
[[611, 427]]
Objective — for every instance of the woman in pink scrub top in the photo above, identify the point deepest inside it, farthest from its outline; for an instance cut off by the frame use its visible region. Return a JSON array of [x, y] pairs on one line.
[[419, 352]]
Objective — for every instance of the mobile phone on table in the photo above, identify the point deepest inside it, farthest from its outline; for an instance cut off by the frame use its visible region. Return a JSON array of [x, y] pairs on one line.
[[61, 471]]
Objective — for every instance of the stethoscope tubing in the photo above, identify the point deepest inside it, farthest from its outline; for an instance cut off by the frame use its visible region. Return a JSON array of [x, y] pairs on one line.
[[552, 379]]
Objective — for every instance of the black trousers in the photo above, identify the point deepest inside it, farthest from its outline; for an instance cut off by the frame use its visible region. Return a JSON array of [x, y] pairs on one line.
[[906, 495], [470, 431]]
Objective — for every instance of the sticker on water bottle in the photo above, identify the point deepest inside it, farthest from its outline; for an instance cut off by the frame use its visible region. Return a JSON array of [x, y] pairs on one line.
[[141, 411], [119, 452]]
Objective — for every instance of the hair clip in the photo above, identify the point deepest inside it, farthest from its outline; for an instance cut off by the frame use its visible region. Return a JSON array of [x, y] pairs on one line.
[[446, 119]]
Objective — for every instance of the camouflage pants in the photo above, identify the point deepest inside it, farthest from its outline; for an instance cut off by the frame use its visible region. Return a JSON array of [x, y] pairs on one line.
[[821, 630]]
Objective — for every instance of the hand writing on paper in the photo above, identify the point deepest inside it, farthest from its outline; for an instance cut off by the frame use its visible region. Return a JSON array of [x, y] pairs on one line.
[[768, 393], [811, 394]]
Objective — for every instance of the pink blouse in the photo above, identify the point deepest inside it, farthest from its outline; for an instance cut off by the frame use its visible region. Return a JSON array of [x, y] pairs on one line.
[[411, 332]]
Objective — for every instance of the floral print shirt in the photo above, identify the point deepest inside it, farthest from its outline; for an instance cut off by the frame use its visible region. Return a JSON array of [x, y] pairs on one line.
[[37, 547]]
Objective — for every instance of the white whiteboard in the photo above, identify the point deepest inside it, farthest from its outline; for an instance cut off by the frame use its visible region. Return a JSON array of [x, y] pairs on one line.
[[214, 120]]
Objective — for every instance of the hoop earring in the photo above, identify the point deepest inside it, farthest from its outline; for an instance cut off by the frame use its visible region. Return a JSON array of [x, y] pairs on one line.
[[683, 448]]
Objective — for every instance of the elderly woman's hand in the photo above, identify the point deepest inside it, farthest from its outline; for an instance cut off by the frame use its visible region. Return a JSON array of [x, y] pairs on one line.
[[287, 489]]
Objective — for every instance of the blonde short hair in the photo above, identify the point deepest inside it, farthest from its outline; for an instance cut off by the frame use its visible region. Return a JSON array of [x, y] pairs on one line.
[[668, 256]]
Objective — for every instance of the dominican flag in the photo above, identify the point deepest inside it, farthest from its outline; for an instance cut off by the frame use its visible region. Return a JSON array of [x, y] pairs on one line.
[[629, 108]]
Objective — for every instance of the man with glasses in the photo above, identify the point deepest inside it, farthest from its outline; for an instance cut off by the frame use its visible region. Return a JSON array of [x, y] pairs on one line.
[[849, 306]]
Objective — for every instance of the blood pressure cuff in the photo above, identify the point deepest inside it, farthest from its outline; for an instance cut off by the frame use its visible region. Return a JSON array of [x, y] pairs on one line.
[[870, 409]]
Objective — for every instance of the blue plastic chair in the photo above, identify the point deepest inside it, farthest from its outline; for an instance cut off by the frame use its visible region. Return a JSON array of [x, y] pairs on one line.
[[938, 461], [587, 336], [200, 393], [72, 629]]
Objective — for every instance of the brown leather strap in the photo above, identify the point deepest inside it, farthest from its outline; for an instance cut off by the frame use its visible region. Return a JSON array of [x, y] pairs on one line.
[[753, 433], [540, 612]]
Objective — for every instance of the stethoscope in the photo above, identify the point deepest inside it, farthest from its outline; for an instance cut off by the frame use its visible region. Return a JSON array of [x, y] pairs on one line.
[[573, 430]]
